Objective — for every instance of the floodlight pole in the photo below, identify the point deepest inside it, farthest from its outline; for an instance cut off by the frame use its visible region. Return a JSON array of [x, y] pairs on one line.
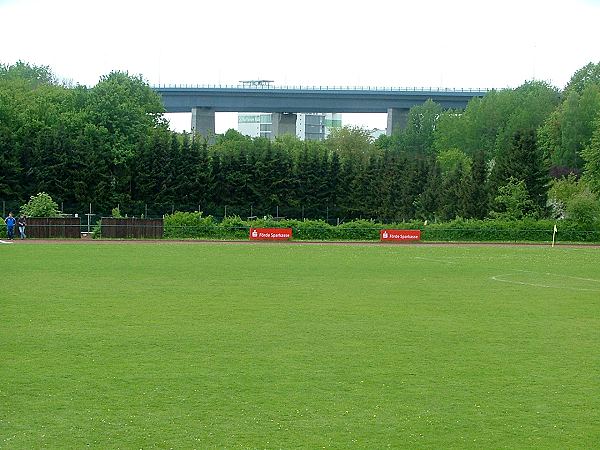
[[89, 217]]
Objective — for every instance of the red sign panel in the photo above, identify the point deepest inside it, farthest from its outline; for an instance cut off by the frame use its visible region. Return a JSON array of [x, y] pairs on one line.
[[270, 234], [400, 235]]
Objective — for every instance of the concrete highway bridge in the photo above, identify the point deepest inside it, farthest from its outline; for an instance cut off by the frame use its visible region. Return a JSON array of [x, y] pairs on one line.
[[285, 102]]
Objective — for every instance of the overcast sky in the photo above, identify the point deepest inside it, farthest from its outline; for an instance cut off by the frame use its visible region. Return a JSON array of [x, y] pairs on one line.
[[458, 43]]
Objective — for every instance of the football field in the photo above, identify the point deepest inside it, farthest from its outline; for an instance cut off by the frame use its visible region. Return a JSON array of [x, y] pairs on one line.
[[191, 345]]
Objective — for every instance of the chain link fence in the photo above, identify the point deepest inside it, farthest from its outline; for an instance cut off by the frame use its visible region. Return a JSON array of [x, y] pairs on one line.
[[331, 214]]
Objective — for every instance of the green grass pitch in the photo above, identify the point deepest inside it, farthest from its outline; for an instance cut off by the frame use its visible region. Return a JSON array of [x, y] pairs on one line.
[[299, 346]]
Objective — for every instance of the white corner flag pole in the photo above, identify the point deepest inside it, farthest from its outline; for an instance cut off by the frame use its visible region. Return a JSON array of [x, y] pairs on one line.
[[554, 235]]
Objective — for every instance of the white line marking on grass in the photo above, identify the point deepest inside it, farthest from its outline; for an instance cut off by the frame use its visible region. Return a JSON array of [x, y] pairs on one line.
[[557, 275], [5, 242], [435, 260], [547, 286]]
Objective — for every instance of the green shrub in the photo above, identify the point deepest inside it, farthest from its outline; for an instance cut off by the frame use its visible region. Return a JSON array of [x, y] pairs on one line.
[[583, 208], [497, 230], [512, 202], [97, 230], [489, 230], [313, 230], [194, 226], [573, 231], [182, 225], [359, 230], [40, 205], [232, 227]]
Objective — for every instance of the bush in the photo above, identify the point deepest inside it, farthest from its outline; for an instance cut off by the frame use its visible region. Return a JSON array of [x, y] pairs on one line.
[[233, 227], [359, 230], [496, 230], [313, 230], [583, 208], [512, 202], [97, 230], [490, 230], [573, 199], [182, 225], [40, 205]]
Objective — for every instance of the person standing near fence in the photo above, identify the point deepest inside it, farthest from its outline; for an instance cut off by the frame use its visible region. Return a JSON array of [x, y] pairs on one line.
[[22, 223], [10, 226]]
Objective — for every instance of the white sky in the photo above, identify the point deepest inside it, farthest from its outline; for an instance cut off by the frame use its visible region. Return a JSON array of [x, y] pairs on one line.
[[422, 43]]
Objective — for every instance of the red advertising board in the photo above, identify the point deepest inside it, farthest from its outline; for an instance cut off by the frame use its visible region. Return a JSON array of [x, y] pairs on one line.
[[270, 234], [399, 235]]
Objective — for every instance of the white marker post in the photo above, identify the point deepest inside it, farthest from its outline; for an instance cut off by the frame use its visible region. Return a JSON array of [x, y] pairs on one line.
[[554, 235]]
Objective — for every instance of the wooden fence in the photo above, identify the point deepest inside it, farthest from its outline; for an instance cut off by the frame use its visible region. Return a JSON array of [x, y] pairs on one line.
[[52, 228], [132, 228]]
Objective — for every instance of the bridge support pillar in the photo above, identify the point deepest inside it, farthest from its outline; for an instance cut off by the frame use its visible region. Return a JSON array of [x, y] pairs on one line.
[[396, 120], [283, 123], [203, 122]]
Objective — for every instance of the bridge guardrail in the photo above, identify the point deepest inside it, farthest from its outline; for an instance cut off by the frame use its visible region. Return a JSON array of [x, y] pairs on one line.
[[318, 88]]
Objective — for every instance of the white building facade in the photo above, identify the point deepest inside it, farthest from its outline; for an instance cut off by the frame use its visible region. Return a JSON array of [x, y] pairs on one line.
[[309, 127]]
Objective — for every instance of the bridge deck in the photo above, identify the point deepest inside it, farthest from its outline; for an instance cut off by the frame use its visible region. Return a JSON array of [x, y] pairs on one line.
[[309, 99]]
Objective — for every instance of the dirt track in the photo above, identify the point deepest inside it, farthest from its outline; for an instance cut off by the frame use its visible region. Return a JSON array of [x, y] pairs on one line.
[[356, 243]]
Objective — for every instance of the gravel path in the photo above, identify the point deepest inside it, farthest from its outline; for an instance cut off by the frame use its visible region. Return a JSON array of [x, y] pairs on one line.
[[214, 242]]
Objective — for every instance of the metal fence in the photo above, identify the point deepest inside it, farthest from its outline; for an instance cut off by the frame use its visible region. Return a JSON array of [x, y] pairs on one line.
[[90, 214]]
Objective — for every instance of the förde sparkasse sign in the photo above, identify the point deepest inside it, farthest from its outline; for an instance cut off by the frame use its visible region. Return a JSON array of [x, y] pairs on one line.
[[399, 235], [270, 234]]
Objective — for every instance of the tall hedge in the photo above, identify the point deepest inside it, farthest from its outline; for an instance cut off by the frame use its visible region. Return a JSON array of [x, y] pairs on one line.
[[186, 225]]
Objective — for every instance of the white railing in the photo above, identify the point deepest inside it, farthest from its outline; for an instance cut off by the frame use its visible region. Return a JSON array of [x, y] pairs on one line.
[[317, 88]]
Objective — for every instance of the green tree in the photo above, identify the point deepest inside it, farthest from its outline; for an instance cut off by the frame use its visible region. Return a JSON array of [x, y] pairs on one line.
[[350, 143], [489, 123], [414, 179], [451, 195], [523, 162], [332, 180], [10, 169], [584, 77], [40, 205], [572, 198], [591, 156], [23, 72], [584, 209], [451, 131], [418, 136], [532, 103], [561, 191], [346, 194], [568, 130], [128, 110], [513, 201], [453, 158], [474, 189], [428, 200]]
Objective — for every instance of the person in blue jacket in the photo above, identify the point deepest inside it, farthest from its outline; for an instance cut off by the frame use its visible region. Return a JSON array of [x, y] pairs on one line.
[[10, 226]]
